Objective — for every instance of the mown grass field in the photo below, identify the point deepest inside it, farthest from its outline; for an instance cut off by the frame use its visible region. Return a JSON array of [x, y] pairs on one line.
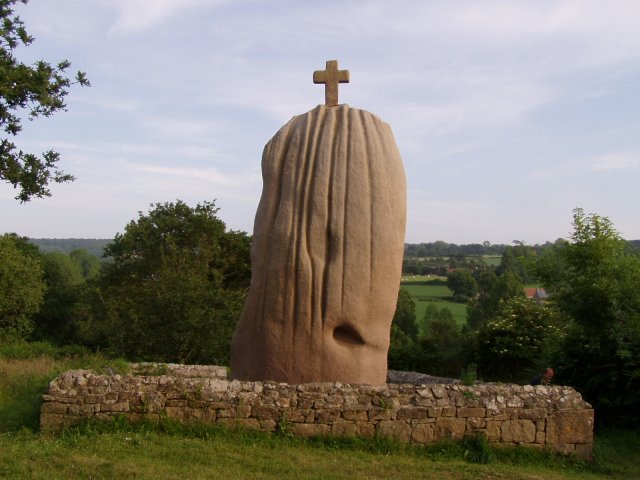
[[425, 289], [169, 450]]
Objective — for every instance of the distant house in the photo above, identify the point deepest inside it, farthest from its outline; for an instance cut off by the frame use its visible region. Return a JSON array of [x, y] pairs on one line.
[[538, 295]]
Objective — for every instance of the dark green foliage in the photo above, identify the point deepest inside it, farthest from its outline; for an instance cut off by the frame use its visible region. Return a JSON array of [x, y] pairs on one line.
[[403, 349], [462, 284], [31, 92], [21, 288], [442, 343], [175, 289], [518, 341], [65, 279], [405, 315], [493, 290], [519, 260], [595, 280]]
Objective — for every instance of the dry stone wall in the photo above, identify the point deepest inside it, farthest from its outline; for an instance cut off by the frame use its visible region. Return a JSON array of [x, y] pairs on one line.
[[542, 416]]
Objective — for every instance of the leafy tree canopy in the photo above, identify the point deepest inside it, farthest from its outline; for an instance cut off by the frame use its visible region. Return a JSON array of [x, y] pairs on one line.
[[405, 315], [21, 288], [594, 279], [462, 284], [517, 341], [37, 90], [176, 287]]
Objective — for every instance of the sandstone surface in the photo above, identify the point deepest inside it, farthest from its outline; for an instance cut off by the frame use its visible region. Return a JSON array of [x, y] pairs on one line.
[[326, 253]]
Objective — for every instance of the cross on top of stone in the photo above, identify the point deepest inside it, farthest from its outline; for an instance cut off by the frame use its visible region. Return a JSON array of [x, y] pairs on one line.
[[331, 77]]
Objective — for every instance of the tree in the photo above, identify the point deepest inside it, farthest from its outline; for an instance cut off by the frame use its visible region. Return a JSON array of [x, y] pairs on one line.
[[462, 284], [518, 340], [441, 342], [493, 290], [63, 276], [594, 279], [21, 289], [176, 287], [89, 264], [518, 259], [40, 90], [405, 315], [404, 333]]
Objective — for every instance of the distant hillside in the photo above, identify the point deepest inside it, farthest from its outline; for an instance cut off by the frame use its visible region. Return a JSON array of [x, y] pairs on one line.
[[95, 246]]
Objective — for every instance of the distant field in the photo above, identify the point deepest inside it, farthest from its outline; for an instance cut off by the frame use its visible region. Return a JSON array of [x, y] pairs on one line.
[[494, 261], [425, 289]]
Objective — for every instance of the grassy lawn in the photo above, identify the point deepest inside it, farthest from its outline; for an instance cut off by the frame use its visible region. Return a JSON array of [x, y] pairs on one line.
[[425, 289], [168, 450]]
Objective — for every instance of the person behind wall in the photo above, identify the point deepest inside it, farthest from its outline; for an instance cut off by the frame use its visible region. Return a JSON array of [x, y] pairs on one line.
[[543, 378]]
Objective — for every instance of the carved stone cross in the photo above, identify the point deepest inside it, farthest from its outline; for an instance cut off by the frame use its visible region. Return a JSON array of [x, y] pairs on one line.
[[331, 77]]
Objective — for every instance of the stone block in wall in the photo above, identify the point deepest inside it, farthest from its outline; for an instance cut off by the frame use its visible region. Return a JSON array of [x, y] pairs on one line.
[[54, 407], [268, 425], [422, 433], [377, 413], [411, 412], [448, 411], [304, 402], [240, 423], [448, 427], [532, 413], [474, 423], [464, 412], [344, 428], [310, 429], [365, 429], [518, 431], [570, 426], [93, 398], [265, 413], [439, 391], [243, 411], [396, 429], [564, 448], [175, 413], [492, 430], [300, 415], [358, 415], [329, 415]]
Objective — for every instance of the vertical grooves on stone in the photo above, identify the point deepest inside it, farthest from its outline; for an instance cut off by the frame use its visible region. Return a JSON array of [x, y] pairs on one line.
[[336, 144], [294, 136], [297, 219], [306, 194], [278, 151], [345, 205], [366, 122], [318, 195]]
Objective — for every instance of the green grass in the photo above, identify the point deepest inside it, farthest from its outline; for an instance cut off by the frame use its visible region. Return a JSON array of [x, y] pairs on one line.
[[492, 260], [171, 450], [425, 289]]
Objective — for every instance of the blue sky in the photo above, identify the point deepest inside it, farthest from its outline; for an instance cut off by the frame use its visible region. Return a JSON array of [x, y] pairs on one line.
[[507, 114]]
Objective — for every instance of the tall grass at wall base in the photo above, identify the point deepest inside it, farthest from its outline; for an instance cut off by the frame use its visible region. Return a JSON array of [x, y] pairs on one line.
[[25, 372]]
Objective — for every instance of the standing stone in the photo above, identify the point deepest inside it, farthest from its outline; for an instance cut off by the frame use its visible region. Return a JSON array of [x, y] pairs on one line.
[[326, 253]]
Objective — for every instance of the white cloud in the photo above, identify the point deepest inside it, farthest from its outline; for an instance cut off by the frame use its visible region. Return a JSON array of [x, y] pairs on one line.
[[209, 175], [136, 16], [616, 162]]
